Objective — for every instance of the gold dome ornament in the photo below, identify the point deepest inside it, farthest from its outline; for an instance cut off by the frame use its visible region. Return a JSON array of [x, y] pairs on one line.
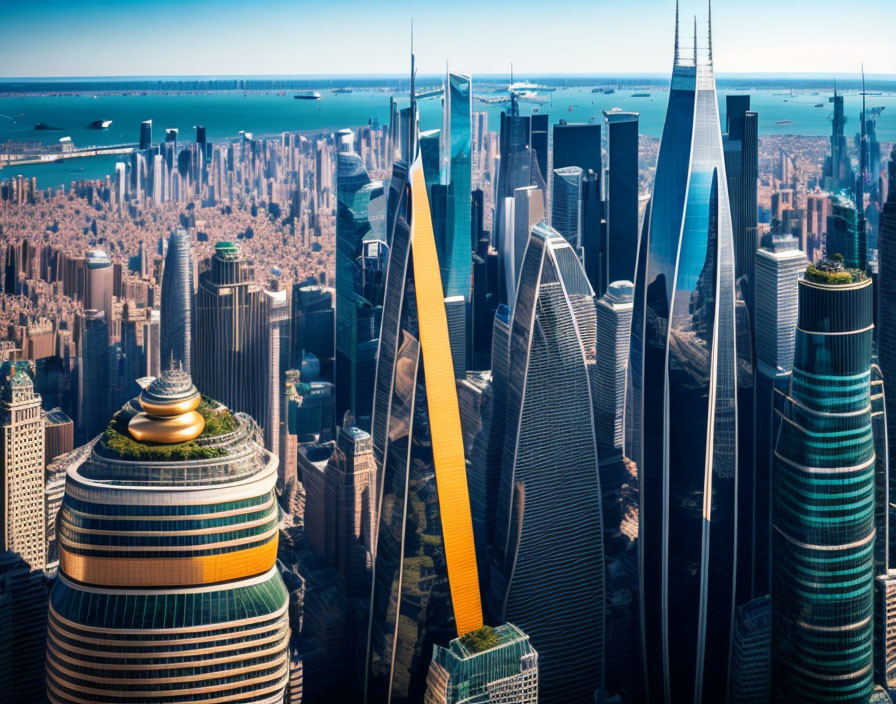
[[169, 410]]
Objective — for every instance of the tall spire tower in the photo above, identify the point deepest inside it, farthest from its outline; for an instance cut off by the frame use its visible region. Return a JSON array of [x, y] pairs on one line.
[[684, 402]]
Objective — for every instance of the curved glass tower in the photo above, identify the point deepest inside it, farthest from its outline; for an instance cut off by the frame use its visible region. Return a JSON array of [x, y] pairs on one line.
[[176, 324], [823, 529], [549, 576], [167, 588], [425, 579], [683, 362]]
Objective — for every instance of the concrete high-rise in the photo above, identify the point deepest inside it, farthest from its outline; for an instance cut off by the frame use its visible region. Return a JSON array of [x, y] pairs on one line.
[[425, 580], [621, 195], [823, 494], [684, 401], [22, 466], [614, 324], [177, 302], [779, 265], [168, 541], [98, 293], [548, 575]]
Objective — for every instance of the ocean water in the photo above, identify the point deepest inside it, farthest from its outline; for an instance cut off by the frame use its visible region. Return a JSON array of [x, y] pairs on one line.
[[224, 114]]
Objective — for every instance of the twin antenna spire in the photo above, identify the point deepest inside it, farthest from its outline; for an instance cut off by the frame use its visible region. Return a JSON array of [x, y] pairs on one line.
[[677, 35]]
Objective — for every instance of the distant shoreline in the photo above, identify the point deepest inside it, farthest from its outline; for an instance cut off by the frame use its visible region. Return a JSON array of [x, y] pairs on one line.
[[161, 85]]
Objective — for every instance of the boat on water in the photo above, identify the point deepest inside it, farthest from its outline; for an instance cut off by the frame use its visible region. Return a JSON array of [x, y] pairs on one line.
[[341, 91], [44, 127], [310, 95], [819, 105], [783, 122], [99, 125], [640, 95]]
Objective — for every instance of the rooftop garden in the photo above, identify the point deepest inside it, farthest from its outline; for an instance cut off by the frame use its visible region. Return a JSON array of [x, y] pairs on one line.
[[117, 442], [832, 272], [483, 638]]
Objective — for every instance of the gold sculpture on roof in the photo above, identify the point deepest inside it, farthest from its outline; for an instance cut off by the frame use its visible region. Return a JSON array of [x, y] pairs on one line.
[[169, 406]]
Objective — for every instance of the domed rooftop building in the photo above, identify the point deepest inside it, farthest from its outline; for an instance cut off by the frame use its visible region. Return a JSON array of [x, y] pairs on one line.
[[167, 588]]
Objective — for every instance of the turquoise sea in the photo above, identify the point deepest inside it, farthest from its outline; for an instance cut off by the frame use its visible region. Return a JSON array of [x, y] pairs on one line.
[[224, 114]]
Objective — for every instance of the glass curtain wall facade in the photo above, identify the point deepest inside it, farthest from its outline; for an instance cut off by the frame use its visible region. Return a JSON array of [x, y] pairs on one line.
[[455, 258], [361, 251], [425, 580], [548, 576], [167, 588], [177, 302], [823, 503], [566, 204], [683, 370]]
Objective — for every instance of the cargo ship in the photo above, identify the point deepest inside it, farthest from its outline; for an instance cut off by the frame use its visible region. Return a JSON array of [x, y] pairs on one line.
[[310, 95], [99, 124]]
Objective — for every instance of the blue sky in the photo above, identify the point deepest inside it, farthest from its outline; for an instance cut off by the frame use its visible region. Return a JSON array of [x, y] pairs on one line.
[[199, 37]]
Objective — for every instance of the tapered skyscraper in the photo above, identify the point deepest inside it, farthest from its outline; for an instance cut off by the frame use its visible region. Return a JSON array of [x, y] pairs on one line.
[[549, 573], [683, 367], [425, 578], [177, 301]]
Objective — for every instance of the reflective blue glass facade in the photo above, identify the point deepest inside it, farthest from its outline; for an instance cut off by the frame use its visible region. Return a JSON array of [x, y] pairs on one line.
[[455, 258], [823, 531], [176, 323], [684, 418]]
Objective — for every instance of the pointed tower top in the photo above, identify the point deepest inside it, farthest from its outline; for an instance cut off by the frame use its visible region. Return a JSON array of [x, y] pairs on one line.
[[710, 32], [676, 33], [695, 40]]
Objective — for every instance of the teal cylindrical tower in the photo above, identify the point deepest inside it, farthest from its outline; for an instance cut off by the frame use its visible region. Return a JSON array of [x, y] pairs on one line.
[[824, 488]]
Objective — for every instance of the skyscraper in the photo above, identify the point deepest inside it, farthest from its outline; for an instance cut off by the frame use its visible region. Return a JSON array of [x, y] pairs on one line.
[[838, 166], [741, 142], [360, 270], [93, 374], [230, 332], [823, 498], [622, 195], [145, 135], [577, 145], [684, 401], [22, 466], [779, 265], [168, 541], [846, 233], [886, 349], [566, 204], [548, 576], [455, 252], [614, 324], [177, 301], [498, 666], [425, 582], [751, 653], [98, 294]]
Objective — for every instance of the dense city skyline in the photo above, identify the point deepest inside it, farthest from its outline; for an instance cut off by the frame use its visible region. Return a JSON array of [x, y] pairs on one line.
[[451, 391]]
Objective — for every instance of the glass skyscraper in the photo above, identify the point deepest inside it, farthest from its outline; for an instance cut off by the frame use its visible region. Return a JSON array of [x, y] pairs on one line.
[[823, 499], [425, 578], [548, 576], [684, 401], [566, 204], [177, 302], [455, 258], [360, 271], [501, 670]]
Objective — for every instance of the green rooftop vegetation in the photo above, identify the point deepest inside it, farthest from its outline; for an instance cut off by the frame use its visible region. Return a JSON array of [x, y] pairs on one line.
[[117, 442], [832, 272], [483, 638]]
